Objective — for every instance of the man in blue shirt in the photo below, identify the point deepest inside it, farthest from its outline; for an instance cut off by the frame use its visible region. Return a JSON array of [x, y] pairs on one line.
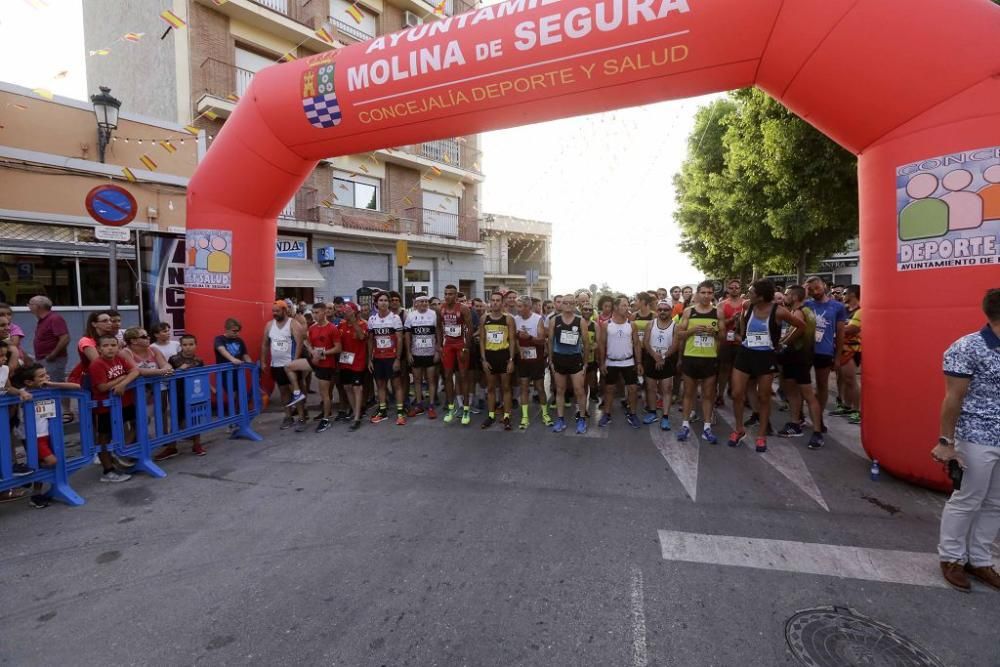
[[970, 434], [831, 318]]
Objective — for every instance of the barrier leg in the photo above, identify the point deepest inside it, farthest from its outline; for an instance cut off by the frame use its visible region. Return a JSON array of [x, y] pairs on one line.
[[145, 464], [245, 432], [144, 461], [63, 492], [243, 429]]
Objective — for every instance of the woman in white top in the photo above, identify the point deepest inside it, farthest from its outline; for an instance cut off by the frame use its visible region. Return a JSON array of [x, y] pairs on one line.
[[163, 341]]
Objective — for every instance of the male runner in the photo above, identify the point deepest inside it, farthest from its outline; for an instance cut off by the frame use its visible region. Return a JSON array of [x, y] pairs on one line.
[[760, 334], [456, 341], [831, 318], [587, 312], [477, 378], [659, 359], [510, 298], [531, 359], [701, 335], [642, 319], [618, 347], [385, 348], [323, 346], [396, 306], [849, 398], [569, 347], [423, 354], [282, 339], [353, 360], [795, 357], [729, 311], [496, 338]]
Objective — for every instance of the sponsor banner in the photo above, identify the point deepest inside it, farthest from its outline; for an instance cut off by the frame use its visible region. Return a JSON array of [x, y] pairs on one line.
[[209, 259], [163, 261], [948, 211], [292, 247]]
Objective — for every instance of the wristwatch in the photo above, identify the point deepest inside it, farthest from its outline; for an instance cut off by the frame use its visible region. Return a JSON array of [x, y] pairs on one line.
[[945, 442]]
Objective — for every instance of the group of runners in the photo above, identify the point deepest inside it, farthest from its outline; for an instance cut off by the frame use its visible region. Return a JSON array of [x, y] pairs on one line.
[[654, 349]]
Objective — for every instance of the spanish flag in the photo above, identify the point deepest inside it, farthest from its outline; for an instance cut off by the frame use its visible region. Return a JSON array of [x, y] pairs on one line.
[[439, 9], [219, 3], [147, 162], [167, 146], [233, 97], [355, 14], [407, 200], [133, 36], [127, 173], [100, 52], [324, 35], [288, 57], [363, 168], [171, 18], [43, 92], [437, 172], [211, 115], [192, 129]]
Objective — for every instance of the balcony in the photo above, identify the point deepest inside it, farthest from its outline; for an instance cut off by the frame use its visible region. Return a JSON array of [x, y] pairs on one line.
[[303, 207], [494, 266], [291, 20], [454, 157], [280, 6], [448, 225], [365, 220], [219, 83], [345, 29]]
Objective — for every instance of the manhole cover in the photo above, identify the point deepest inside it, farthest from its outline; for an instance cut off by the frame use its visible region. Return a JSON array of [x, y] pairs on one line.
[[841, 637]]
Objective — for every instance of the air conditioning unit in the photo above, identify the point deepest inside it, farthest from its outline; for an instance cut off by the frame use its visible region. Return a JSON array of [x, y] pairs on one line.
[[412, 19]]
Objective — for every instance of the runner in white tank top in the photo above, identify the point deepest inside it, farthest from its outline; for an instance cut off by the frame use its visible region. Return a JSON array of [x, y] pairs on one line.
[[282, 341], [618, 347]]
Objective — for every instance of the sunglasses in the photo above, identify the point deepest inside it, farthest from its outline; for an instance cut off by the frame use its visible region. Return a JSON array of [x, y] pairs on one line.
[[663, 310]]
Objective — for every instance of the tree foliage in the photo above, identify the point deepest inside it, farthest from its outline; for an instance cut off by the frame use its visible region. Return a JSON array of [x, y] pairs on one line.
[[761, 191]]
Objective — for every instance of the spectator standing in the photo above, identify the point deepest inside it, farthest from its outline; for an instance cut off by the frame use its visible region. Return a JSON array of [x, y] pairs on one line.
[[184, 360], [229, 347], [99, 323], [16, 334], [13, 351], [109, 373], [970, 435], [163, 341], [51, 338]]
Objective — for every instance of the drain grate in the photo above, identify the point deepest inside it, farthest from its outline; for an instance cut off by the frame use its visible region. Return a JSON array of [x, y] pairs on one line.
[[841, 637]]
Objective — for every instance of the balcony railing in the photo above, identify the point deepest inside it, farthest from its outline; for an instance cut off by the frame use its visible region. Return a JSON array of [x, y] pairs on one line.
[[352, 31], [280, 6], [521, 268], [304, 206], [221, 79], [364, 219], [448, 151], [449, 225]]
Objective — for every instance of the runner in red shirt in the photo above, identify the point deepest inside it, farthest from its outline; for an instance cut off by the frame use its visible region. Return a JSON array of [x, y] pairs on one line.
[[456, 334], [112, 372], [353, 358], [323, 346], [729, 311]]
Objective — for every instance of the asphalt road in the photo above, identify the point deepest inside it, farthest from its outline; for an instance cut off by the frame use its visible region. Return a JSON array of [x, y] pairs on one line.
[[442, 545]]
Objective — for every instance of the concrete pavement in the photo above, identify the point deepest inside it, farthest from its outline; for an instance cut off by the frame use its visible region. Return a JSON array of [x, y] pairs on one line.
[[442, 545]]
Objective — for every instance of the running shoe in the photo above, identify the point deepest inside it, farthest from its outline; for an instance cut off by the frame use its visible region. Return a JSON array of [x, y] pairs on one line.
[[650, 417], [341, 416], [581, 425], [489, 421], [753, 420], [841, 411], [546, 419], [168, 452], [400, 419], [39, 501], [761, 445], [474, 409], [559, 426], [466, 417], [287, 422], [790, 430], [683, 434], [21, 470], [379, 417], [736, 439], [449, 416], [300, 426], [709, 437], [633, 420], [198, 450], [506, 424], [355, 425], [816, 441], [604, 420], [855, 418], [524, 424], [415, 411], [665, 423], [115, 477], [297, 398], [431, 412]]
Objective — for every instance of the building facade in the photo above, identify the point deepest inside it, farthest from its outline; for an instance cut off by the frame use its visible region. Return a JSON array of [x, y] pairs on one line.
[[352, 209], [48, 165], [515, 250]]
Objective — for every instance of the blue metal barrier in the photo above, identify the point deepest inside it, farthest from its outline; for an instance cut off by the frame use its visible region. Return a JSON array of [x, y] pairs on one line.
[[198, 400]]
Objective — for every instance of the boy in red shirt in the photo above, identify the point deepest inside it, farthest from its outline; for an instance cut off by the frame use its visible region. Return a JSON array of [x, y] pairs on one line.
[[323, 346], [353, 358], [112, 372]]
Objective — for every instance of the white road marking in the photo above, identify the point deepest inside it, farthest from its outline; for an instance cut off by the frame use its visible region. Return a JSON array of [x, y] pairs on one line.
[[846, 434], [640, 654], [682, 457], [898, 567], [786, 458]]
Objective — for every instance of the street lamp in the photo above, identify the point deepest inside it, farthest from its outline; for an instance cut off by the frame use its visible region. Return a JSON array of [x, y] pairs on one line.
[[106, 109]]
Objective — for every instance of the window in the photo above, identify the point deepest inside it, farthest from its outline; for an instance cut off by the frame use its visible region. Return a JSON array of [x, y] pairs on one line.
[[440, 214], [248, 63], [94, 283], [25, 276], [346, 22], [357, 191]]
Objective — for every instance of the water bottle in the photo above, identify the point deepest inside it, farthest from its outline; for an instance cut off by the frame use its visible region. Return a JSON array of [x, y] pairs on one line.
[[875, 472]]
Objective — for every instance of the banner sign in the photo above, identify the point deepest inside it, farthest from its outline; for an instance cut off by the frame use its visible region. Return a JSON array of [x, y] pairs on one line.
[[209, 262], [948, 211], [163, 263], [291, 247]]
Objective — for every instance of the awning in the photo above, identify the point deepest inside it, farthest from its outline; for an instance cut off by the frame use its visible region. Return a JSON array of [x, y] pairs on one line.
[[297, 273]]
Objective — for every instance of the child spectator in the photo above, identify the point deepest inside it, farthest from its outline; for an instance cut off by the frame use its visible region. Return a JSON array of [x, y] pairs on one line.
[[20, 469], [229, 347], [34, 378], [112, 372], [184, 360], [163, 341]]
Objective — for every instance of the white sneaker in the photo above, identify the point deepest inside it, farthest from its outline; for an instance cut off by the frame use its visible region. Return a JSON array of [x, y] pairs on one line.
[[297, 397], [114, 477]]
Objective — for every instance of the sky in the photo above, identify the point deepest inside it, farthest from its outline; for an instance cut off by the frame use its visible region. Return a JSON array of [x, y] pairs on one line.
[[604, 181]]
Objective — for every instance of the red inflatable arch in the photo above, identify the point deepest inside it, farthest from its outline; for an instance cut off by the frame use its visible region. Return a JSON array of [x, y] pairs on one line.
[[911, 87]]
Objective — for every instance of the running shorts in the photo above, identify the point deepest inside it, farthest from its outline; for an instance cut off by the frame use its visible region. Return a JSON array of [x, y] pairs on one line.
[[498, 360], [567, 364], [727, 353], [795, 367], [822, 361], [650, 371], [351, 378], [756, 363], [280, 376], [423, 362], [700, 368], [382, 369], [325, 373], [531, 370], [451, 358], [627, 374]]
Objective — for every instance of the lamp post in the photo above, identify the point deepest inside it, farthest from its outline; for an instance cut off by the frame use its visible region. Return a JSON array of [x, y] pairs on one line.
[[106, 110]]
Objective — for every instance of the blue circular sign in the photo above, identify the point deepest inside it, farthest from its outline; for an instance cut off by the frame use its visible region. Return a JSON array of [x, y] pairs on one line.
[[111, 205]]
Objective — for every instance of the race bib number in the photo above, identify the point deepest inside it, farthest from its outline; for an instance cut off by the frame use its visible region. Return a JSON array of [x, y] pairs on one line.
[[495, 337], [704, 342], [45, 409], [820, 333], [423, 343], [529, 353], [347, 358], [642, 335], [281, 345], [758, 340], [569, 337], [731, 336], [453, 330], [383, 342]]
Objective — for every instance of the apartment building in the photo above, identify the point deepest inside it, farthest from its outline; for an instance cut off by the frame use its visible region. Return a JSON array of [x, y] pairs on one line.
[[427, 194], [517, 255]]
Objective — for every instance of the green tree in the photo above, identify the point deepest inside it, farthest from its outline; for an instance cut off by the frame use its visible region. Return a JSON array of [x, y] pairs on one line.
[[762, 191]]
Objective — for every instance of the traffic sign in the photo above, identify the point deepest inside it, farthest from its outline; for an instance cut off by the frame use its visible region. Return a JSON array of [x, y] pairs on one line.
[[120, 234], [111, 205]]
